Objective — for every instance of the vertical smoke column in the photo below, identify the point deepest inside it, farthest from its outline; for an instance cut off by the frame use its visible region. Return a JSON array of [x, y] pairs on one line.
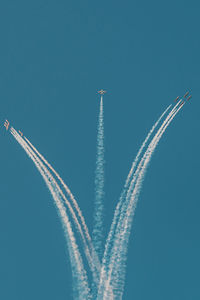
[[99, 185]]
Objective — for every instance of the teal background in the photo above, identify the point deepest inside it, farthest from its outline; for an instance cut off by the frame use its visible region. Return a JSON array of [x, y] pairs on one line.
[[54, 56]]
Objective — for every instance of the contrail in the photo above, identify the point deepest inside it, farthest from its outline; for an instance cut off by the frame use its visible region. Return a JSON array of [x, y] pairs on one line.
[[91, 255], [109, 241], [106, 282], [97, 235], [80, 278], [119, 267], [66, 189], [122, 238], [144, 144], [123, 247], [164, 125], [118, 256]]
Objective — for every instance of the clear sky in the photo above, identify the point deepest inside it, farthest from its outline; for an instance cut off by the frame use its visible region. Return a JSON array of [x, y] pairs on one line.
[[54, 56]]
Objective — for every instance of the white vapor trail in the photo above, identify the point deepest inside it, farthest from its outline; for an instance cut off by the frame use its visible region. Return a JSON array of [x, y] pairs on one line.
[[118, 275], [79, 274], [97, 235], [94, 279], [116, 271], [90, 253], [144, 144], [111, 234]]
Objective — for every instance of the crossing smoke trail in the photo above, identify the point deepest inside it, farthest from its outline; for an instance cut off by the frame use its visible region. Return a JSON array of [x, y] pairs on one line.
[[119, 270], [108, 277], [111, 234], [81, 289], [90, 253], [97, 235], [117, 265], [120, 251]]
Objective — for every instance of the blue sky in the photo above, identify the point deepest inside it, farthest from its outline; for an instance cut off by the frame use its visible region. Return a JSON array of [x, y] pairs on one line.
[[54, 56]]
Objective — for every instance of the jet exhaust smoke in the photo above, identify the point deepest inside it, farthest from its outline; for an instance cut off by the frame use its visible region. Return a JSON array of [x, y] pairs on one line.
[[81, 289], [116, 265], [97, 234], [108, 277]]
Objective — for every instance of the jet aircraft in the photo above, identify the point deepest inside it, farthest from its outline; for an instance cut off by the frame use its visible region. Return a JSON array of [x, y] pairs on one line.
[[176, 99], [186, 95], [101, 92], [6, 124]]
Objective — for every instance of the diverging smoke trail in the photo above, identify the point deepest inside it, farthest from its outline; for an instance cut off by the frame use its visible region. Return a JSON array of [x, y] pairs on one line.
[[118, 272], [111, 234], [81, 289], [116, 266], [120, 249], [97, 235], [144, 145], [90, 253]]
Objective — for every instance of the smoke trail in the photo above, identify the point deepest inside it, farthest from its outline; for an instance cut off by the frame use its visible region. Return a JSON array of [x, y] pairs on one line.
[[117, 264], [113, 270], [116, 252], [144, 144], [78, 271], [123, 250], [111, 234], [66, 189], [97, 234], [91, 255], [119, 267]]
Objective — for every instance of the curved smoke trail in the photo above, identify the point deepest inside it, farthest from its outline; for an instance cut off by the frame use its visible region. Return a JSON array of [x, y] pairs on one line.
[[118, 256], [111, 234], [120, 249], [81, 289], [118, 272], [108, 279], [97, 235], [90, 253]]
